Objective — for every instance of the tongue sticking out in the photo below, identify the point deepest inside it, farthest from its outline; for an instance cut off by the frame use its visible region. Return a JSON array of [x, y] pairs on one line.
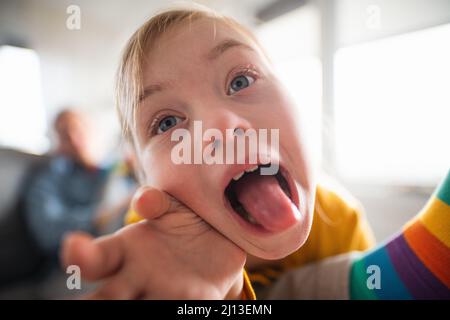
[[263, 198]]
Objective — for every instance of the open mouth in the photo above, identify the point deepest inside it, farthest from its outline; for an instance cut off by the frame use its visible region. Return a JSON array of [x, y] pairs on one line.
[[265, 201]]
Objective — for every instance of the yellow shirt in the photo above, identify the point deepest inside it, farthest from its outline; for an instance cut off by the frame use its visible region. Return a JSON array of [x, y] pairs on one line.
[[338, 226]]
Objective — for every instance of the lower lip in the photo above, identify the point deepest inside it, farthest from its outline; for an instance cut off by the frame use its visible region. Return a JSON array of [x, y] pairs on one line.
[[258, 229]]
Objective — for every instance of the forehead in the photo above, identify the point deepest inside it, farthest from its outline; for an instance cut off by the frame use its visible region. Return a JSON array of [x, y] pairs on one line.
[[68, 118], [190, 42]]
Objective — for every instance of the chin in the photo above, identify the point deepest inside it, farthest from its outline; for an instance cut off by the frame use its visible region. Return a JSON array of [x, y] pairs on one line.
[[280, 246]]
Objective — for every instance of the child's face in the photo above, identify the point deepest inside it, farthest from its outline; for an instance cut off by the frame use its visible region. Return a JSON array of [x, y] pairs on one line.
[[230, 88]]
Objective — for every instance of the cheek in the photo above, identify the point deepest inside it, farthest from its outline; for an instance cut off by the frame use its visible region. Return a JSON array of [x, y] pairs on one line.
[[157, 166], [279, 112], [277, 108], [162, 173], [283, 114]]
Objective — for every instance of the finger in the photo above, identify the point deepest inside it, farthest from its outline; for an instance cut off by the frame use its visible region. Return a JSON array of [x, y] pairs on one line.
[[72, 252], [97, 259], [151, 203], [115, 288]]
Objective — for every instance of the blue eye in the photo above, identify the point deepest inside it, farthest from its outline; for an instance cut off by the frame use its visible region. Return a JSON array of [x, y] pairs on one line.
[[167, 122], [239, 83]]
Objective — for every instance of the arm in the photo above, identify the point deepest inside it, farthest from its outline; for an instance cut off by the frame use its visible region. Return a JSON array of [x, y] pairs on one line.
[[415, 264], [172, 254]]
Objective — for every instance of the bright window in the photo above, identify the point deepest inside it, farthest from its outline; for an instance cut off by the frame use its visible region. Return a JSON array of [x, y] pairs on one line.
[[392, 108], [22, 114]]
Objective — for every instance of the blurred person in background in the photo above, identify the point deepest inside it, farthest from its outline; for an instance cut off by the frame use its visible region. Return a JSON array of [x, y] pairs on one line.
[[66, 194]]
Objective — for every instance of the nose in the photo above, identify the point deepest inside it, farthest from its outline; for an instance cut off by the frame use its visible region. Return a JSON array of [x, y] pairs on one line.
[[224, 120], [220, 127]]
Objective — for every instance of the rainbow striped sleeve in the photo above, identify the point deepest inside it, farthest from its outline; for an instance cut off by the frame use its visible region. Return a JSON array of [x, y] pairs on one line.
[[415, 264]]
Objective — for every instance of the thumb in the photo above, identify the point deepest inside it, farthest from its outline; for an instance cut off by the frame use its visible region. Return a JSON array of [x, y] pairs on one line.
[[151, 203]]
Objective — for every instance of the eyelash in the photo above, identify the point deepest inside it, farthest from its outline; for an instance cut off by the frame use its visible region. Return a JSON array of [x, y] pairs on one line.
[[249, 70], [154, 123], [153, 127]]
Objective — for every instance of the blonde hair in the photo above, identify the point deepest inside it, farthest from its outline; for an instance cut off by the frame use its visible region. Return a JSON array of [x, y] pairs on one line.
[[129, 75]]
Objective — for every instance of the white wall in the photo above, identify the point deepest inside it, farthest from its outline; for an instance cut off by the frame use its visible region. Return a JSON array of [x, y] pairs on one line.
[[356, 20]]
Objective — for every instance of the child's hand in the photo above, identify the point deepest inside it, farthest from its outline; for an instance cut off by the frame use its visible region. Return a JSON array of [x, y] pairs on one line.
[[173, 254]]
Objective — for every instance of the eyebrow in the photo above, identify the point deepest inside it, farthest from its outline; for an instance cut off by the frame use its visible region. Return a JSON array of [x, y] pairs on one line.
[[213, 54], [151, 89], [224, 46]]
